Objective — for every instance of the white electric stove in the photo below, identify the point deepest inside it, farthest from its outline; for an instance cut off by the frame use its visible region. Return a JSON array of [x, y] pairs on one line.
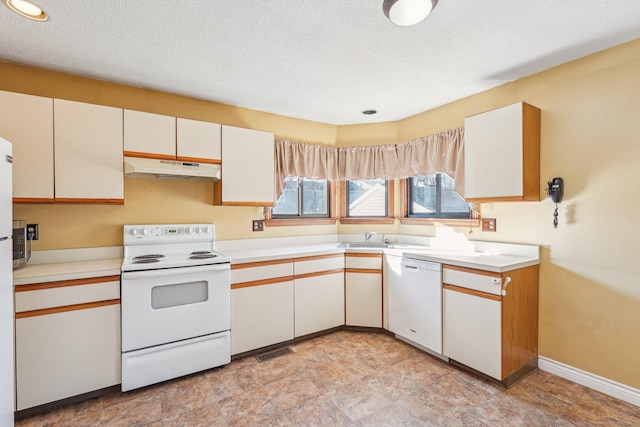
[[176, 303]]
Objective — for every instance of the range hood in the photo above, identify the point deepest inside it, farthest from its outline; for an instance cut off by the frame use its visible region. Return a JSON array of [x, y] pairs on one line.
[[135, 167]]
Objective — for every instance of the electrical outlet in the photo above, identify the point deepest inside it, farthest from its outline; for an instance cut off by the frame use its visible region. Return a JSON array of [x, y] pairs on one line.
[[33, 229], [488, 224], [258, 225]]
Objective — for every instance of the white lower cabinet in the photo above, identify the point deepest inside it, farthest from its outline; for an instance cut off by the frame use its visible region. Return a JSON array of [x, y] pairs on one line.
[[363, 289], [319, 303], [67, 339], [472, 331], [261, 315]]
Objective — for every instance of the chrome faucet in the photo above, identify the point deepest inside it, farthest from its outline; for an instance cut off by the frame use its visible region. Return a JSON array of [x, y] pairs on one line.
[[367, 235]]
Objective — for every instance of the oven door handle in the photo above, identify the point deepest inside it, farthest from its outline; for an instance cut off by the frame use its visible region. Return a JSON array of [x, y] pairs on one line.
[[173, 271]]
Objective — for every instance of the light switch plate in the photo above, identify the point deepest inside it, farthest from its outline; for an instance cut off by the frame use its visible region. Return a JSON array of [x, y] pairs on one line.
[[488, 224]]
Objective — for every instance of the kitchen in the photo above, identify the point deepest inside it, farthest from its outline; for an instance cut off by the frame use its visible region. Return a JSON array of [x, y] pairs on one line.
[[588, 297]]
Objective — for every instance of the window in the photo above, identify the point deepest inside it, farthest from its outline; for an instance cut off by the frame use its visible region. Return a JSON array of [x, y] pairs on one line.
[[367, 198], [434, 196], [303, 198]]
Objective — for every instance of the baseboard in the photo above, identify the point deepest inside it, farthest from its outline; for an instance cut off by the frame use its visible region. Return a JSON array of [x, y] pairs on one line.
[[603, 385]]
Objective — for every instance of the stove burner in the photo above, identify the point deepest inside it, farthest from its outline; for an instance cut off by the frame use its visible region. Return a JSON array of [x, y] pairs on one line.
[[139, 260], [202, 255], [150, 256]]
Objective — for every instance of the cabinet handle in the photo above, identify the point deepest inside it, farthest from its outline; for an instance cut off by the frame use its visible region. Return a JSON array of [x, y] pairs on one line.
[[504, 286]]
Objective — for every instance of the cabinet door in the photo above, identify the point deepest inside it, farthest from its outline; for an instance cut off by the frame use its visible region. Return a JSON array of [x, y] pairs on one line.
[[149, 135], [319, 303], [88, 153], [199, 141], [502, 154], [66, 354], [248, 168], [261, 316], [27, 122], [363, 299], [472, 331]]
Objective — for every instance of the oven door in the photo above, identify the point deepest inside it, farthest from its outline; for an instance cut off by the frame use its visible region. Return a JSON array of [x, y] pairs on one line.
[[168, 305]]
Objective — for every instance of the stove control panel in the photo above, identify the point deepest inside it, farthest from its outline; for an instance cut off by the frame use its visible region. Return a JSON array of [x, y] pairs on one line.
[[163, 233]]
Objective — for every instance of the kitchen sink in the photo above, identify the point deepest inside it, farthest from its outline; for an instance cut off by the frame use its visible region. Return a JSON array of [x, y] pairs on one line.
[[372, 245]]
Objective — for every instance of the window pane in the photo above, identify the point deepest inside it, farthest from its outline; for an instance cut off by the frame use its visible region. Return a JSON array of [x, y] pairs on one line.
[[314, 197], [423, 194], [434, 196], [367, 198], [451, 202], [287, 204]]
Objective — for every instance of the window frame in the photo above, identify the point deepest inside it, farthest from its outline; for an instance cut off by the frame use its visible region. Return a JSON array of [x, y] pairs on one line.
[[388, 219], [291, 220], [405, 219]]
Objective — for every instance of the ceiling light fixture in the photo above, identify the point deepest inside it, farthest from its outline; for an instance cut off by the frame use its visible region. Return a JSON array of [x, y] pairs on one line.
[[407, 12], [27, 9]]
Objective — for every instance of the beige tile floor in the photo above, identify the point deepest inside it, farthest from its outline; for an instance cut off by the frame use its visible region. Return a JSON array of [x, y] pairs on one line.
[[347, 379]]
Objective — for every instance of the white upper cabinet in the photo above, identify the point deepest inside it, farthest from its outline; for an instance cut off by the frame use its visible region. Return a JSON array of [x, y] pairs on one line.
[[199, 141], [88, 154], [502, 154], [248, 168], [149, 135], [27, 122]]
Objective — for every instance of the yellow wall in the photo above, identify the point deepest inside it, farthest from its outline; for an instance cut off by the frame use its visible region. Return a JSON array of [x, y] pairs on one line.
[[590, 276]]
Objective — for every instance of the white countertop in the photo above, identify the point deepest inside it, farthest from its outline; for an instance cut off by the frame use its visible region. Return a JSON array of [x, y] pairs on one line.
[[480, 260], [68, 267], [57, 271]]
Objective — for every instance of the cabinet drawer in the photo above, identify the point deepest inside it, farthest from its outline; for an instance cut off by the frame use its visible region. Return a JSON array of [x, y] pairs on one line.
[[252, 272], [319, 263], [364, 261], [478, 280], [65, 293]]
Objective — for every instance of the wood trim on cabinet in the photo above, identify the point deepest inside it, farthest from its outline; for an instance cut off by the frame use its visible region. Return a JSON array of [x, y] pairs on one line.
[[261, 263], [314, 257], [520, 319], [472, 270], [363, 270], [65, 308], [531, 152], [32, 200], [199, 160], [362, 255], [472, 292], [149, 155], [319, 273], [64, 283], [261, 282], [80, 201], [255, 204]]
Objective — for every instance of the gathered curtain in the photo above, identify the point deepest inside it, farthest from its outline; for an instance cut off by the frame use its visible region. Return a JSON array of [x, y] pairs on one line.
[[442, 152]]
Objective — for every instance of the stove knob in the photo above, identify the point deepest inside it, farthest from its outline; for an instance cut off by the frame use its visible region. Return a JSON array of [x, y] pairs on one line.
[[187, 230], [197, 230], [145, 231], [133, 232], [205, 230]]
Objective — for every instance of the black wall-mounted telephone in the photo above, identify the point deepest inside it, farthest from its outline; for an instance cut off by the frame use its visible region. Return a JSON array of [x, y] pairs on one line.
[[555, 190]]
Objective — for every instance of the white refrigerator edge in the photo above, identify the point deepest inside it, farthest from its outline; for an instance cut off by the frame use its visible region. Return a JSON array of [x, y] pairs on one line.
[[7, 371]]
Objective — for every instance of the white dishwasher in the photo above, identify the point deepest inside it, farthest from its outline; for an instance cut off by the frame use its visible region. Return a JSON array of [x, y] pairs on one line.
[[415, 302]]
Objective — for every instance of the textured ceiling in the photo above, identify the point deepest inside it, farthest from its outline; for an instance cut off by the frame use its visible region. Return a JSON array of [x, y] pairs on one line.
[[322, 60]]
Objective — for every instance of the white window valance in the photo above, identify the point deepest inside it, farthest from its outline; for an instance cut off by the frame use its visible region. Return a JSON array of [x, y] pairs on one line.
[[442, 152]]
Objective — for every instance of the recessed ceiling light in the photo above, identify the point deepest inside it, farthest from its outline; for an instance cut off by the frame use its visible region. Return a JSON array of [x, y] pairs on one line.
[[369, 112], [27, 9], [407, 12]]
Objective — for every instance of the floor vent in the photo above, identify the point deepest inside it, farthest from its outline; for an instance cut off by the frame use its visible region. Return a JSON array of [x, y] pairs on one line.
[[273, 354]]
